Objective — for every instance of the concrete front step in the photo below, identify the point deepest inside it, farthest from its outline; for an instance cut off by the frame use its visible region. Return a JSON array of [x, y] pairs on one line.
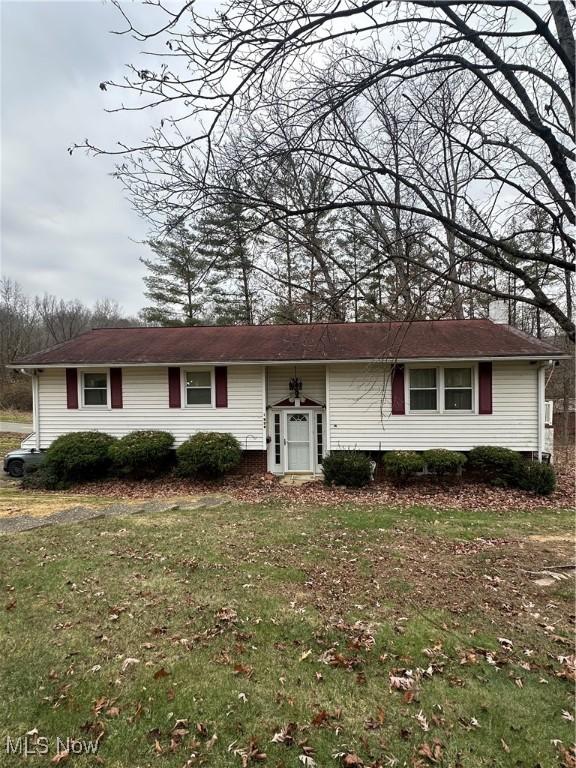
[[297, 479]]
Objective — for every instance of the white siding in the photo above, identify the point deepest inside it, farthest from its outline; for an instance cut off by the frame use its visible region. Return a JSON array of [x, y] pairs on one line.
[[145, 401], [360, 413], [313, 381]]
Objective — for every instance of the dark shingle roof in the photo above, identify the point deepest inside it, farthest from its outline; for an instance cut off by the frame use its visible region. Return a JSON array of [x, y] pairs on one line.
[[428, 339]]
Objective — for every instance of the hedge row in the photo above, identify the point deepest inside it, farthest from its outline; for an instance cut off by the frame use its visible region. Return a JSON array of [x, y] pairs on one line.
[[498, 466], [81, 456]]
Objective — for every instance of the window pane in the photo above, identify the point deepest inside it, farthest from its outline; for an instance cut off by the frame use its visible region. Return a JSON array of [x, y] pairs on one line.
[[198, 396], [458, 399], [423, 377], [198, 379], [97, 380], [458, 377], [423, 400], [95, 396]]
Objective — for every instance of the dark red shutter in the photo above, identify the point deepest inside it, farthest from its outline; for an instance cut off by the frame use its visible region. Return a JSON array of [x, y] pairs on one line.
[[174, 387], [484, 387], [398, 405], [71, 388], [221, 377], [116, 387]]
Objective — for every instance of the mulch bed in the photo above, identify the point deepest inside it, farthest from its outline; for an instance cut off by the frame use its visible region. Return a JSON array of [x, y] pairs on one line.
[[422, 492]]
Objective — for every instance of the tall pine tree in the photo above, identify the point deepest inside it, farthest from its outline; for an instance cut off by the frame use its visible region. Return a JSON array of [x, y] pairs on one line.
[[226, 242], [179, 281]]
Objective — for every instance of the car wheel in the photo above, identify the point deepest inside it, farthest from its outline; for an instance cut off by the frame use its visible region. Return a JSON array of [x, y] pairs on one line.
[[16, 468]]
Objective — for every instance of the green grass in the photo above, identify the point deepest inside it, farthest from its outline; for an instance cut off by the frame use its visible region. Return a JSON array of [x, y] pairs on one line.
[[22, 417], [426, 587]]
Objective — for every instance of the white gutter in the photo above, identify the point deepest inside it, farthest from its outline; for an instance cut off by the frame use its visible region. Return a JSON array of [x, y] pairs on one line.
[[366, 361]]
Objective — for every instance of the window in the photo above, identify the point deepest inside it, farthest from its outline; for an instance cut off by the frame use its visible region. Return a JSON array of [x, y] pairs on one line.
[[277, 455], [423, 389], [198, 388], [95, 388], [458, 389], [319, 438]]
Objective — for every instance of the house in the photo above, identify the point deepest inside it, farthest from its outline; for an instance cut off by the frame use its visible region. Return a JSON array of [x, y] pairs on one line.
[[292, 393]]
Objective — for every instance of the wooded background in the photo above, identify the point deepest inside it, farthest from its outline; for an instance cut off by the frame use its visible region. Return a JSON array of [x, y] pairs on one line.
[[309, 161]]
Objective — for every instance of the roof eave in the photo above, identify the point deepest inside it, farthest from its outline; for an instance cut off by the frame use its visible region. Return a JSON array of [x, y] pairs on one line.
[[160, 363]]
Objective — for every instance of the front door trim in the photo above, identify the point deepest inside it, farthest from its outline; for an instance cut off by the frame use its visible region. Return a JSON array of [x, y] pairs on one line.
[[281, 468], [286, 415]]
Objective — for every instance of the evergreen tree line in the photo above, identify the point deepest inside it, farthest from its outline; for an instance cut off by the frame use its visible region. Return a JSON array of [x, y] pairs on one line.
[[233, 265]]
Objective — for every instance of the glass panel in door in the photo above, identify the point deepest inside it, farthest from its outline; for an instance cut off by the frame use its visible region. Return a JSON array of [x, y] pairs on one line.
[[298, 442]]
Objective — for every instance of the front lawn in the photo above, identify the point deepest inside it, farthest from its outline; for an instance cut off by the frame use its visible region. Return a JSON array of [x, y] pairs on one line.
[[287, 635]]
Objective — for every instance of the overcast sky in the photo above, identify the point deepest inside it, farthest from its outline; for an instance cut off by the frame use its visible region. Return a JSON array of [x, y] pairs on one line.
[[67, 228]]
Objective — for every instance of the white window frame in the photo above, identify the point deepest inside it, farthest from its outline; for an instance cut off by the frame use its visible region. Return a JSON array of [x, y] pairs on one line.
[[103, 371], [473, 385], [184, 387], [440, 389], [409, 370]]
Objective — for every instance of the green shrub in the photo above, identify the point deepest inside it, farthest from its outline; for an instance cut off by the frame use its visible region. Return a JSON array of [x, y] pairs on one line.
[[208, 454], [444, 462], [348, 468], [42, 477], [501, 466], [146, 453], [539, 478], [79, 456], [402, 465]]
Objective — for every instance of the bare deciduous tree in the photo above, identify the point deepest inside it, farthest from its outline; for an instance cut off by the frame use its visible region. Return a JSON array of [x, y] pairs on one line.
[[504, 123]]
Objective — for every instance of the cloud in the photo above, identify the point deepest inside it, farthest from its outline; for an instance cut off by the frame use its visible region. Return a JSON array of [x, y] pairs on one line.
[[67, 227]]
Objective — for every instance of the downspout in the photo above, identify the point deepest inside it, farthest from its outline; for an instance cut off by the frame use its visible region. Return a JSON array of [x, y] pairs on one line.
[[35, 404]]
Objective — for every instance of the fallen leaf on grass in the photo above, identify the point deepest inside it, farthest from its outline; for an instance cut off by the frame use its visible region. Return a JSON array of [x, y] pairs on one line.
[[243, 669], [421, 720], [250, 753], [60, 757], [568, 757], [226, 615], [351, 759], [404, 681], [129, 663], [432, 752], [160, 673], [285, 735]]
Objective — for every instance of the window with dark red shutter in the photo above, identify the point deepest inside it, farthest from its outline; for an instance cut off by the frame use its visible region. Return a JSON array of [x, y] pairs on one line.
[[398, 397], [485, 388], [221, 385], [71, 388], [116, 387], [174, 393]]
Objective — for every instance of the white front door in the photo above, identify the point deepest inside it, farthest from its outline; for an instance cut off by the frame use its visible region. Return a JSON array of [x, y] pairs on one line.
[[298, 443]]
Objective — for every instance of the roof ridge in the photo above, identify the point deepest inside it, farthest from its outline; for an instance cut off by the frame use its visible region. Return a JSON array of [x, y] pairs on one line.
[[325, 323]]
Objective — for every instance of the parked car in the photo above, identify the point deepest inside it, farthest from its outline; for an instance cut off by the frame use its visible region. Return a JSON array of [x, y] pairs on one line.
[[16, 462]]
